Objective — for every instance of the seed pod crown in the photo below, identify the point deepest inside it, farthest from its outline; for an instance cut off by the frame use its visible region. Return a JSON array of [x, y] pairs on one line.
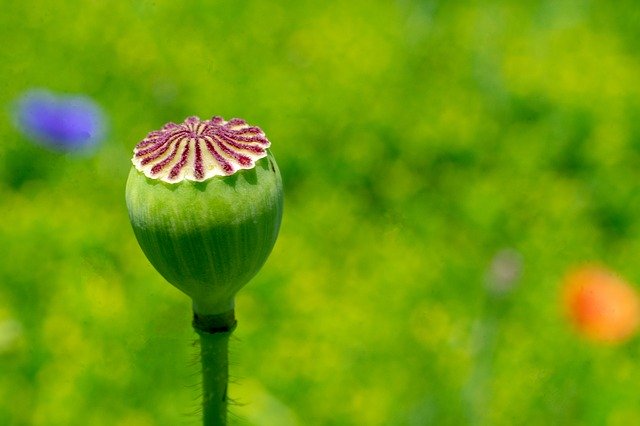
[[199, 149]]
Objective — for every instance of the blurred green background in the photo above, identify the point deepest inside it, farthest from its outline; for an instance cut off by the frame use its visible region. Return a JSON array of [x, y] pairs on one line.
[[416, 139]]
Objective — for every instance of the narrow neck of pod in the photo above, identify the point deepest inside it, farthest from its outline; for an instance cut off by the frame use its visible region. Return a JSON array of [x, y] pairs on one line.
[[221, 323], [212, 308]]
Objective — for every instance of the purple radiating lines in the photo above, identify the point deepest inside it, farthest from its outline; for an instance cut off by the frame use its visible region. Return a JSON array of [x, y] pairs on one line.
[[199, 149]]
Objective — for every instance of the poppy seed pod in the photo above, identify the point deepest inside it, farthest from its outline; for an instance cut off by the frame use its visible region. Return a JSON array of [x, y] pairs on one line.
[[205, 201]]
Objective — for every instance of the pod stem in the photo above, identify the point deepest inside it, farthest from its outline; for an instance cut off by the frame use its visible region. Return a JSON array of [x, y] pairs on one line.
[[214, 332]]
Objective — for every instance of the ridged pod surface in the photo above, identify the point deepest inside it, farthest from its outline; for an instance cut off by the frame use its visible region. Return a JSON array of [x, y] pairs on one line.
[[205, 201]]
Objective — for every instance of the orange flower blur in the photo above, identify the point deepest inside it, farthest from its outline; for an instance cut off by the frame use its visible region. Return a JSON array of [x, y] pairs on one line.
[[602, 306]]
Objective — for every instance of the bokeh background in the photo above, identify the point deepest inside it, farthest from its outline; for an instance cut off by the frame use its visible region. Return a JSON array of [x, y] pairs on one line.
[[417, 139]]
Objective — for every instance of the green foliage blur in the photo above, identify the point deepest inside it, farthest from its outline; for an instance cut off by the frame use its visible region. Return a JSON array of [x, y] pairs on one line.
[[416, 139]]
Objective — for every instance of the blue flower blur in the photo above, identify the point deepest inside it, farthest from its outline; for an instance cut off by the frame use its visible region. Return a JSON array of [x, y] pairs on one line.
[[60, 122]]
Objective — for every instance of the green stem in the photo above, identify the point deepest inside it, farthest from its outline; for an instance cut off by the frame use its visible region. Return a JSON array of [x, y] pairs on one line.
[[214, 332], [486, 339]]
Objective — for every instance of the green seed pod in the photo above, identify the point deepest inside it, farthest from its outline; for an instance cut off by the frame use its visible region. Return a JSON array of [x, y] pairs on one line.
[[205, 201]]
